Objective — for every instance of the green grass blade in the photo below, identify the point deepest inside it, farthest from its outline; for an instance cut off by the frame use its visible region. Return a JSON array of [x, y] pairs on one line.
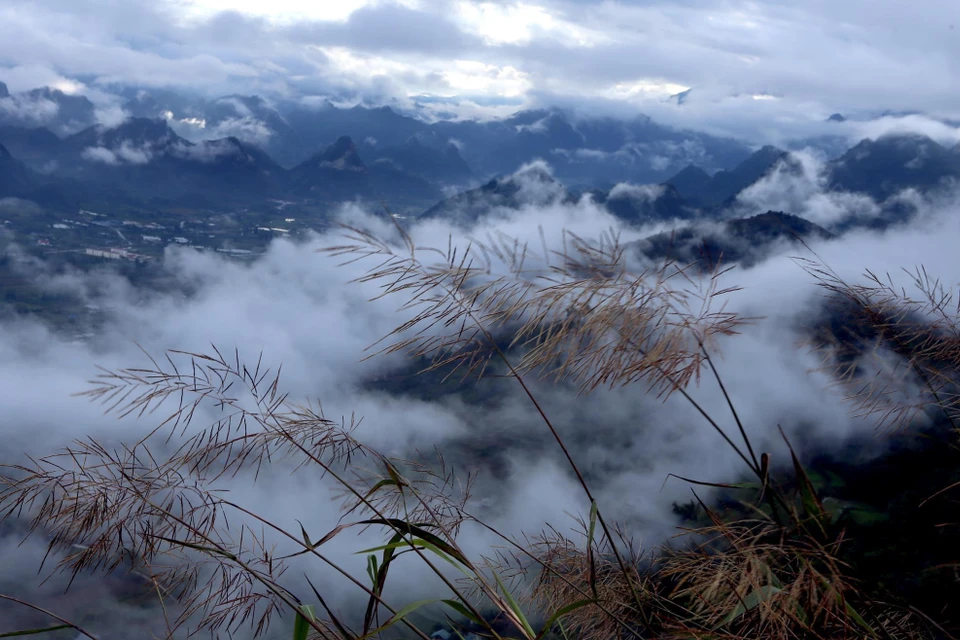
[[399, 616], [460, 608], [594, 511], [306, 537], [30, 632], [561, 612], [752, 601], [591, 559], [812, 506], [301, 628], [859, 619], [515, 608], [372, 568], [379, 582], [419, 532], [417, 544]]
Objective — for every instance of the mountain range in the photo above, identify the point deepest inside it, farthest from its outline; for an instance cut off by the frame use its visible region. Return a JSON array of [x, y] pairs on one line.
[[146, 161], [745, 241], [698, 186], [583, 151], [319, 153]]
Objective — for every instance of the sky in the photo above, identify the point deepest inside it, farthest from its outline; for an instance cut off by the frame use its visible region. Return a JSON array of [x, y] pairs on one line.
[[776, 63]]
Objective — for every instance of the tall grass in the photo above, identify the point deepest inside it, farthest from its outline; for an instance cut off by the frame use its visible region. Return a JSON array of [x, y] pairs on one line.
[[575, 316]]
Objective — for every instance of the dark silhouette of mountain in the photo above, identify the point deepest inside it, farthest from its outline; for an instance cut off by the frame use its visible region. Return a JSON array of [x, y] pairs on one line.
[[342, 155], [397, 156], [61, 112], [135, 133], [836, 117], [252, 119], [724, 185], [144, 158], [19, 181], [892, 163], [338, 173], [680, 98], [426, 161], [333, 172], [73, 111], [35, 146], [587, 152], [691, 181], [535, 185], [741, 240], [312, 126], [15, 180], [227, 167]]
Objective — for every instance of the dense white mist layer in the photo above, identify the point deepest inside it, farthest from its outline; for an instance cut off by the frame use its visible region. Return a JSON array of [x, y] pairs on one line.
[[296, 307]]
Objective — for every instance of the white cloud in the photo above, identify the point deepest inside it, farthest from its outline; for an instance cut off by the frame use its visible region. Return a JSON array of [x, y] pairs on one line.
[[206, 151], [282, 11], [126, 153], [642, 192], [521, 23], [100, 154], [24, 110], [248, 129], [943, 133], [132, 154], [803, 62]]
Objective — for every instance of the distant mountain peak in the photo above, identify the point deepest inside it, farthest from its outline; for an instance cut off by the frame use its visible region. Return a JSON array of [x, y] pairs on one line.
[[680, 98], [453, 151], [740, 240], [155, 130], [695, 184], [146, 134], [893, 162], [836, 117], [781, 224], [224, 151], [14, 178], [690, 180], [536, 171], [4, 92], [900, 142], [531, 184], [342, 155], [384, 109], [769, 150]]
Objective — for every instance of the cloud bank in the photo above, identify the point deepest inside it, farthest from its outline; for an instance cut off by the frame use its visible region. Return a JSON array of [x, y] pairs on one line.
[[765, 71], [294, 305]]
